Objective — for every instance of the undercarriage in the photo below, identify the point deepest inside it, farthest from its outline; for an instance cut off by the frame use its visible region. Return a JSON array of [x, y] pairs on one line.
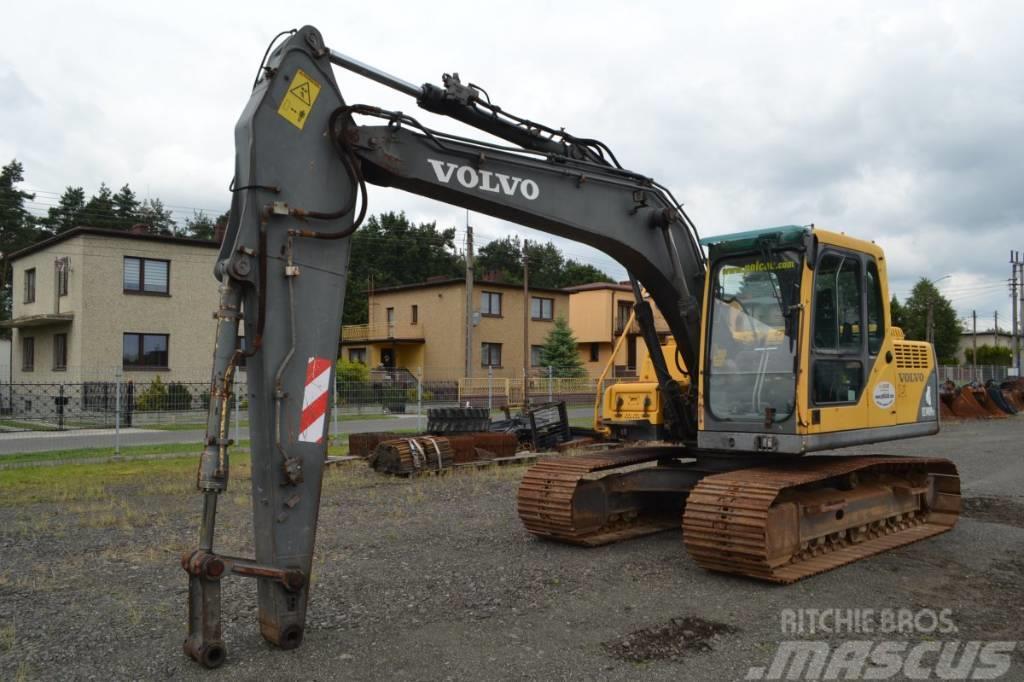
[[779, 522]]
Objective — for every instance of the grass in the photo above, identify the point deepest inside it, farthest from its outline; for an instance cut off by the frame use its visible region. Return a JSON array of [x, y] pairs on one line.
[[107, 452]]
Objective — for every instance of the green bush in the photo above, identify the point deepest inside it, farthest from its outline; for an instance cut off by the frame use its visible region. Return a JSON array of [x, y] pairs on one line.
[[349, 371], [154, 398], [178, 396]]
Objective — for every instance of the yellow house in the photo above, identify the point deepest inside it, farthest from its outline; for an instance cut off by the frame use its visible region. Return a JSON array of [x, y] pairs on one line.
[[599, 315], [423, 327]]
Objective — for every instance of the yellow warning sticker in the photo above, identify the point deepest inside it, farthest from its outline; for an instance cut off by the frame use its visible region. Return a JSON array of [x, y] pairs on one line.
[[299, 99]]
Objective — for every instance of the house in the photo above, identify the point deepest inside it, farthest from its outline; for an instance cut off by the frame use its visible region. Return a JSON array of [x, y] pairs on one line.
[[599, 317], [996, 339], [89, 303], [423, 326], [416, 326]]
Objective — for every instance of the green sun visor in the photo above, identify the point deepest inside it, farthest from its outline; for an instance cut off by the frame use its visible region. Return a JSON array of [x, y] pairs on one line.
[[785, 235]]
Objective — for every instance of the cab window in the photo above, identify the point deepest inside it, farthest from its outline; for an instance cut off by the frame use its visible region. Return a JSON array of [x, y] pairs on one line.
[[837, 313], [876, 312]]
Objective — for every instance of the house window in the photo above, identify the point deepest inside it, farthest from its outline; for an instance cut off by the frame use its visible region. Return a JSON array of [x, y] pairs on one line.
[[490, 303], [63, 272], [357, 355], [595, 352], [623, 310], [146, 276], [415, 314], [535, 352], [490, 355], [30, 286], [28, 354], [60, 351], [145, 351], [542, 308]]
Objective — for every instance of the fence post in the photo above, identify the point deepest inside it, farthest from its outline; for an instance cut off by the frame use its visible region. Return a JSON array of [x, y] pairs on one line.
[[419, 398], [117, 415], [490, 388], [550, 375], [334, 408], [60, 409]]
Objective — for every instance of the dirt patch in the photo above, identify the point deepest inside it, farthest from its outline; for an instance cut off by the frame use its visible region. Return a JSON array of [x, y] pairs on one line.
[[673, 641], [995, 510]]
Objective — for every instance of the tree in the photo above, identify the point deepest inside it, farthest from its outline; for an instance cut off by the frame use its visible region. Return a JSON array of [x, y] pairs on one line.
[[990, 355], [390, 250], [896, 313], [575, 273], [159, 220], [947, 327], [126, 208], [202, 226], [548, 267], [99, 212], [68, 213], [560, 353], [17, 226]]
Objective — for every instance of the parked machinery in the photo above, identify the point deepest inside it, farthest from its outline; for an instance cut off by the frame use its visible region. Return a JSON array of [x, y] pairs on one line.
[[787, 331]]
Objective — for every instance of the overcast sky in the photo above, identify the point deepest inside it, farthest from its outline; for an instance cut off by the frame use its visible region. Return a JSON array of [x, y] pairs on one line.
[[898, 122]]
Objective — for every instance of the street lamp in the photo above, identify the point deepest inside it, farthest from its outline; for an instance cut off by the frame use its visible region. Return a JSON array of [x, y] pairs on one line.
[[930, 327]]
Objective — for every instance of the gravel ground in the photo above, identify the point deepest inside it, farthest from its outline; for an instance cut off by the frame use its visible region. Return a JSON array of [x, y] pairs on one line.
[[434, 578]]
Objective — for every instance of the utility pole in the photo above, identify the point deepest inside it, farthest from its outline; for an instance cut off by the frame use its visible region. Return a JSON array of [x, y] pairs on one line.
[[1017, 306], [995, 316], [469, 297], [526, 325], [974, 357], [1013, 312]]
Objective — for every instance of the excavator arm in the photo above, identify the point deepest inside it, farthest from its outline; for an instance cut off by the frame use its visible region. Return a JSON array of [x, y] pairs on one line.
[[299, 192]]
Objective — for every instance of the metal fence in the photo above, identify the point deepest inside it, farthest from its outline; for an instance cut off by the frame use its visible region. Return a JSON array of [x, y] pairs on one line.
[[122, 400], [964, 374], [118, 401]]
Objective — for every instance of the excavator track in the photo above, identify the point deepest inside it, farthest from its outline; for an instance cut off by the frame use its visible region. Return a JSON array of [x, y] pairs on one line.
[[786, 522], [553, 499]]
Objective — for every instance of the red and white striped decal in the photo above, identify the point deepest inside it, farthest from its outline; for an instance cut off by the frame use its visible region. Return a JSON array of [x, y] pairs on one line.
[[314, 400]]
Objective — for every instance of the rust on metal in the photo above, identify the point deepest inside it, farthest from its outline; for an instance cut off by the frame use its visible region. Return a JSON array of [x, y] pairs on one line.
[[571, 499], [412, 455], [784, 523]]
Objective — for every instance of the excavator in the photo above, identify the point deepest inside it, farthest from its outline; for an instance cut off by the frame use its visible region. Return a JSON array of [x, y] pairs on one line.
[[781, 342]]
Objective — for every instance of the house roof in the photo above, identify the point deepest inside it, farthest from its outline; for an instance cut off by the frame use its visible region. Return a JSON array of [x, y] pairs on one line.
[[113, 234], [449, 281], [597, 286]]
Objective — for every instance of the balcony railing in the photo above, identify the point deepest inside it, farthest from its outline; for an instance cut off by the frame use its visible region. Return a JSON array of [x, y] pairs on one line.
[[366, 332]]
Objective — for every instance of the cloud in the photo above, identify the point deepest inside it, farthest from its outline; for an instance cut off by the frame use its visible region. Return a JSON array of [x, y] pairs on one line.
[[897, 122]]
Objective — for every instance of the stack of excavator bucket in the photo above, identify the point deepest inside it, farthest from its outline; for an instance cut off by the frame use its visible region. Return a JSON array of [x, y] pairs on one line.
[[985, 401]]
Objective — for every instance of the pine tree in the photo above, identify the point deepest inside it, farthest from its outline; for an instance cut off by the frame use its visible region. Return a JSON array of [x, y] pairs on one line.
[[17, 227], [126, 208], [159, 220], [68, 213], [99, 212], [559, 352]]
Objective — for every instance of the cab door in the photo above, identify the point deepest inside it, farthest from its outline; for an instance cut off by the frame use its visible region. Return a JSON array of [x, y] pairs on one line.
[[839, 360]]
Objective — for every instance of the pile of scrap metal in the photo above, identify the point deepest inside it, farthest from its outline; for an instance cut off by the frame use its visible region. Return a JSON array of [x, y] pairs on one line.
[[412, 455], [976, 401], [544, 427], [443, 420]]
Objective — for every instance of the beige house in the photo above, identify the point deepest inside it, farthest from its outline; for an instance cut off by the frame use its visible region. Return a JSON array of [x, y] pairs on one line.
[[1001, 339], [423, 326], [599, 316], [88, 303]]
